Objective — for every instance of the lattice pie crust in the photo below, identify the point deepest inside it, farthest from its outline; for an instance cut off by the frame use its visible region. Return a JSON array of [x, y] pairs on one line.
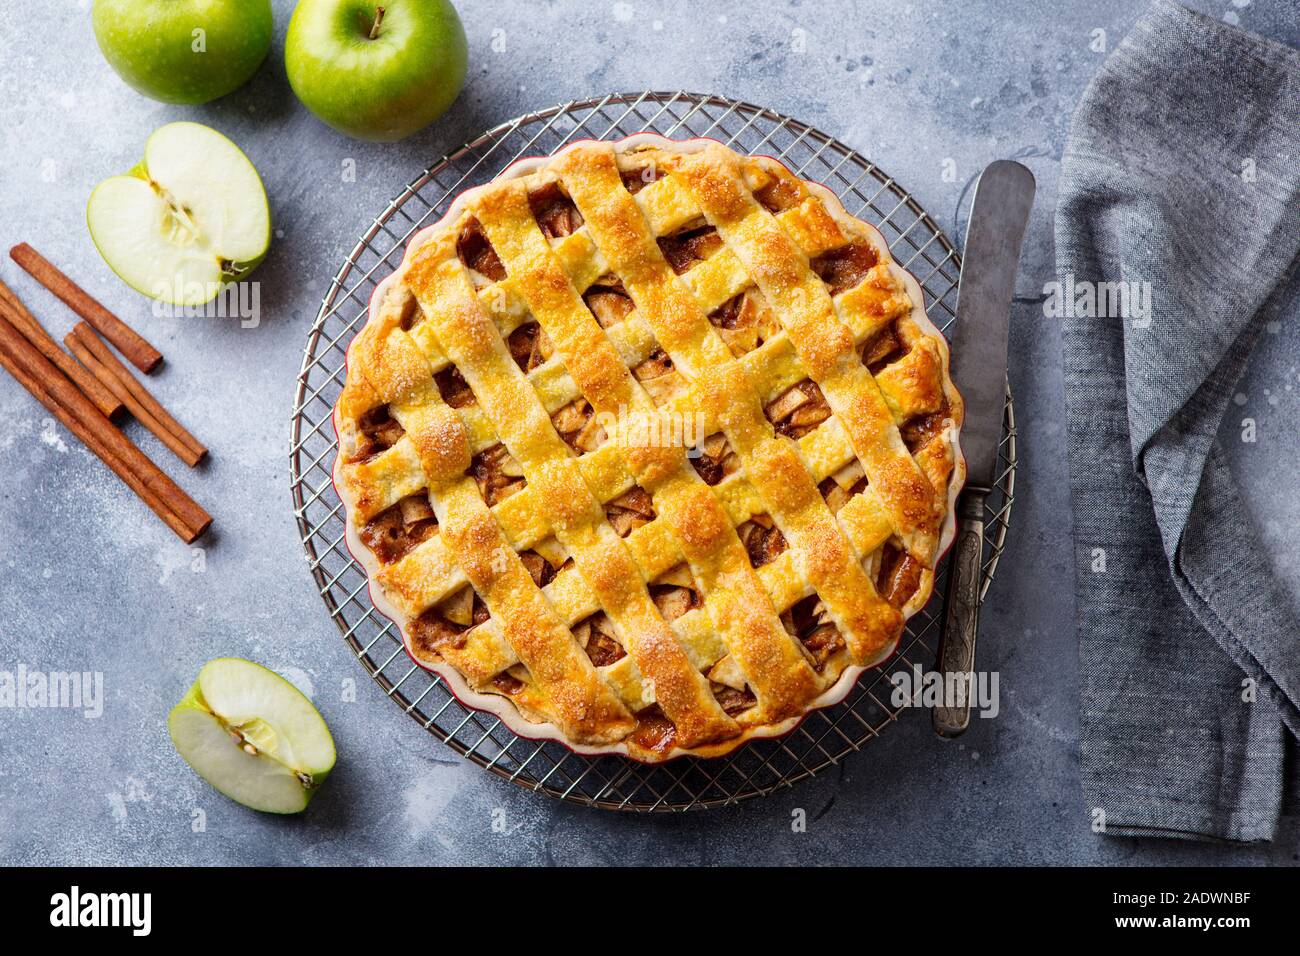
[[511, 448]]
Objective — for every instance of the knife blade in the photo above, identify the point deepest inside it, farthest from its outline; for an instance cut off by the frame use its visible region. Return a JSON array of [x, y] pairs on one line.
[[990, 258], [999, 213]]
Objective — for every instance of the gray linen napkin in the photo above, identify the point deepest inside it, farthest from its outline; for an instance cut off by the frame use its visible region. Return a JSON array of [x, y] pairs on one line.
[[1182, 171]]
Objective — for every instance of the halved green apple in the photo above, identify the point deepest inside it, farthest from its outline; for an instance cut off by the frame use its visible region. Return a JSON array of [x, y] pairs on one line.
[[253, 735], [190, 217]]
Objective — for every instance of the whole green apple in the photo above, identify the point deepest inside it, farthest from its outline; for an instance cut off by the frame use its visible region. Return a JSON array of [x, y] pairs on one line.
[[183, 51], [373, 69]]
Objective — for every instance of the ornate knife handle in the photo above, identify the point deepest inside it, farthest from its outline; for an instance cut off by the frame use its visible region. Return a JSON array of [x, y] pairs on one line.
[[961, 615]]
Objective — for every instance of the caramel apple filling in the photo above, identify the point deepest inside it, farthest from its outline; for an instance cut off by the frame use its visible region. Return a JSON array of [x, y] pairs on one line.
[[810, 622], [529, 346], [507, 683], [377, 431], [631, 510], [411, 314], [675, 593], [745, 322], [554, 211], [445, 624], [596, 635], [464, 608], [899, 576], [453, 388], [731, 700], [920, 431], [541, 570], [578, 425], [608, 301], [474, 250], [684, 249], [782, 193], [635, 180], [730, 689], [658, 377], [715, 460], [798, 410], [654, 731], [840, 487], [395, 531], [762, 539], [846, 267], [882, 349], [497, 474]]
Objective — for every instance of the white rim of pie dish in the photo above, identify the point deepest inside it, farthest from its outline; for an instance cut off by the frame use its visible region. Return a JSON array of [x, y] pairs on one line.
[[503, 707]]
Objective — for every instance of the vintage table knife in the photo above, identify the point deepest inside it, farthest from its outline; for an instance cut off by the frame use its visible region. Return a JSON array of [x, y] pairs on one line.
[[1003, 195]]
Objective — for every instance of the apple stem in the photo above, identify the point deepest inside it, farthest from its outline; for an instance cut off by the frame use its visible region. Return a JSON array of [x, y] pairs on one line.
[[379, 18]]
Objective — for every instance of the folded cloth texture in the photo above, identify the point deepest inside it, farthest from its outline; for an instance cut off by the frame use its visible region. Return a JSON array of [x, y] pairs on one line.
[[1181, 180]]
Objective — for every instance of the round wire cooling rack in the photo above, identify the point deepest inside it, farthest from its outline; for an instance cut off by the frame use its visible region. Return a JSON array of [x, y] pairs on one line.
[[762, 766]]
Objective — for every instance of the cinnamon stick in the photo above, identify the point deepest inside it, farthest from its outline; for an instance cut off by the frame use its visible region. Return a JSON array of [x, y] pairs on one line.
[[12, 308], [129, 342], [87, 423], [95, 355]]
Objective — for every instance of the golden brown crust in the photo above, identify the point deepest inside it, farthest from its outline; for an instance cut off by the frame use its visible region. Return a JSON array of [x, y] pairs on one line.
[[732, 659]]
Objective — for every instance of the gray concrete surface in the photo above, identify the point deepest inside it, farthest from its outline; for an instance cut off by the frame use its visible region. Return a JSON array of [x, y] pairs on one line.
[[90, 581]]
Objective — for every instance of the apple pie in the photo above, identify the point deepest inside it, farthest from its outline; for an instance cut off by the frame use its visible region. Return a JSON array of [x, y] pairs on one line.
[[649, 448]]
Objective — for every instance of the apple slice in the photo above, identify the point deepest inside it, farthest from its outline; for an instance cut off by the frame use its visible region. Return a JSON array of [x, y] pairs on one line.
[[189, 218], [253, 735]]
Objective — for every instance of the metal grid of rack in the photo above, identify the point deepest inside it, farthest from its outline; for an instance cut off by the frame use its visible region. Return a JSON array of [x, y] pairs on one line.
[[761, 767]]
